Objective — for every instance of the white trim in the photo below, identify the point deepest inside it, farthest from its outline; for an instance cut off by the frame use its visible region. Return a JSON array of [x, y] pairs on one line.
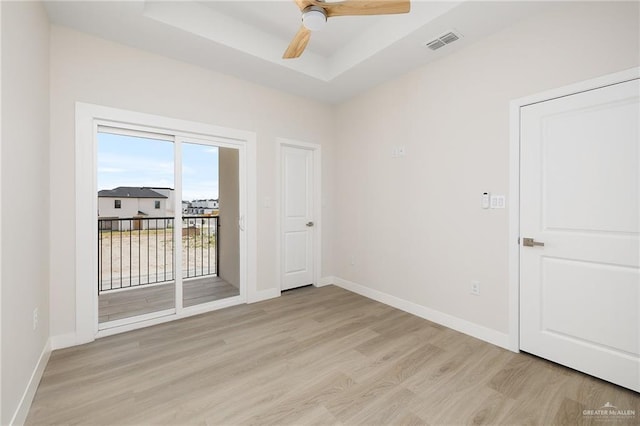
[[110, 129], [514, 182], [260, 295], [582, 86], [316, 149], [62, 341], [88, 117], [86, 209], [178, 288], [249, 198], [20, 415], [513, 245], [474, 330], [324, 281], [1, 220], [119, 323]]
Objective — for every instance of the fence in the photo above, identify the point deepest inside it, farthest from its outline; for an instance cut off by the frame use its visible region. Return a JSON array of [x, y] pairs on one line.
[[134, 252]]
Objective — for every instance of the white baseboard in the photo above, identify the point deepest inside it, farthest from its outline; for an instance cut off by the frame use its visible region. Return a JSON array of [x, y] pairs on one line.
[[474, 330], [63, 341], [20, 415], [325, 281], [261, 295]]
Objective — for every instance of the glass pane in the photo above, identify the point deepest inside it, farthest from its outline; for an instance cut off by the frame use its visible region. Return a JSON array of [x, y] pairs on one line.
[[205, 258], [135, 226]]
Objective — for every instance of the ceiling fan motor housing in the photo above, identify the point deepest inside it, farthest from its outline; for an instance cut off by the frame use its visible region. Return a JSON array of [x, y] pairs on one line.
[[314, 18]]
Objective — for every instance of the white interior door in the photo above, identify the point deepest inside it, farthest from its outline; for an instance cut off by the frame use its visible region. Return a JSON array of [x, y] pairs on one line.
[[298, 221], [580, 292]]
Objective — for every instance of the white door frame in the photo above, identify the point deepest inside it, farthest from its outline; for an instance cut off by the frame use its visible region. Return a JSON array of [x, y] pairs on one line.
[[88, 117], [317, 206], [514, 182]]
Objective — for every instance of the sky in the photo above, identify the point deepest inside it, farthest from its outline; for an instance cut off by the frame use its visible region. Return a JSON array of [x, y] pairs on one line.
[[134, 161]]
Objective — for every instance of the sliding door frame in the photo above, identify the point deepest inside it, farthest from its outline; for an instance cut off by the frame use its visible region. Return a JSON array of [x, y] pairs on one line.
[[88, 118]]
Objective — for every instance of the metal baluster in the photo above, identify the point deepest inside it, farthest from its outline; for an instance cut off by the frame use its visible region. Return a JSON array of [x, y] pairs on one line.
[[130, 256], [121, 258], [99, 258], [173, 252], [202, 247], [217, 243], [188, 244], [111, 253]]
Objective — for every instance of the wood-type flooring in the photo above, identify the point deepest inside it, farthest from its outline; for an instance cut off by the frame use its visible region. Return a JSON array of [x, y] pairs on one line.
[[314, 356]]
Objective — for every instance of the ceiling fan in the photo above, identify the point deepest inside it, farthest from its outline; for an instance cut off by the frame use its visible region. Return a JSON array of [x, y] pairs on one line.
[[316, 12]]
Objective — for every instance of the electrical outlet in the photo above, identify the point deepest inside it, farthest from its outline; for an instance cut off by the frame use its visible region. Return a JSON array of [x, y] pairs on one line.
[[398, 151], [35, 318], [475, 288], [353, 260]]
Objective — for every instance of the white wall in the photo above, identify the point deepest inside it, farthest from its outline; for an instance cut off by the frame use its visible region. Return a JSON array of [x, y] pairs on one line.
[[87, 69], [25, 198], [166, 204], [229, 242], [128, 207], [431, 238]]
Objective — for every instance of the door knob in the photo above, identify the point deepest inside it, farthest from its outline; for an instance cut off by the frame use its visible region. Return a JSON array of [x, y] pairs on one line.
[[530, 242], [309, 224]]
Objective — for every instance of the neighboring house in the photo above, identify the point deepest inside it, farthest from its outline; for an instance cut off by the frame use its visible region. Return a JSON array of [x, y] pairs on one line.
[[207, 204], [136, 204], [201, 207]]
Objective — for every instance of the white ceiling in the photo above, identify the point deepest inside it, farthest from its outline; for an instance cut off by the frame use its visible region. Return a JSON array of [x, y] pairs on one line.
[[247, 38], [282, 19]]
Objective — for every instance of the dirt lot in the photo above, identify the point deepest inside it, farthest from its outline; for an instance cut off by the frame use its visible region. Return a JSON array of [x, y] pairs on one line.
[[130, 258]]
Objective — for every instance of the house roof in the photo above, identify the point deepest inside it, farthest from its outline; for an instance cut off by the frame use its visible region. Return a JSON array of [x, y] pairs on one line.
[[130, 192]]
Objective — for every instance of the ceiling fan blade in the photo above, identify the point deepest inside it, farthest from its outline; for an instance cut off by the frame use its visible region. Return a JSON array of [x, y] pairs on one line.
[[365, 7], [302, 4], [298, 44]]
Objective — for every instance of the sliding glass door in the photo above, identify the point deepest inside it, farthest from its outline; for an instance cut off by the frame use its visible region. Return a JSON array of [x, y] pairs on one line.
[[168, 234], [136, 210]]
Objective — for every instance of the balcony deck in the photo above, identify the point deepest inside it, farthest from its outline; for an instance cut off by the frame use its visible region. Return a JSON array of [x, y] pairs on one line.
[[144, 300]]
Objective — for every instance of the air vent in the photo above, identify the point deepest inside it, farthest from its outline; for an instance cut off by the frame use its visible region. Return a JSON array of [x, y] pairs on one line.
[[435, 44], [449, 38], [443, 40]]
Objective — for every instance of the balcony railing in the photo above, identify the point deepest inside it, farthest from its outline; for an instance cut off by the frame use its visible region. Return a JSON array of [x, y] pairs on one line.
[[133, 252]]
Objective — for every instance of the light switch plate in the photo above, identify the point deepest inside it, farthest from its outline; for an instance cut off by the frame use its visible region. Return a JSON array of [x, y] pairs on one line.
[[498, 201]]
